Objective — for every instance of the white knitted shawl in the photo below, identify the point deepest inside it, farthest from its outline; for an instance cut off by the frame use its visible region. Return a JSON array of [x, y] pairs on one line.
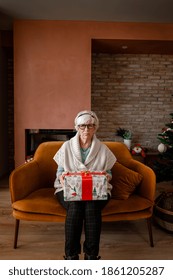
[[100, 158]]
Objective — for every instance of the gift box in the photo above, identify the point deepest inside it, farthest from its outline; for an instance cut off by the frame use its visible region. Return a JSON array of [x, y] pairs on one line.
[[85, 186]]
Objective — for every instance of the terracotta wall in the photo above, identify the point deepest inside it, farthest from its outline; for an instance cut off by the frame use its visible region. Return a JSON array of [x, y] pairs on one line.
[[52, 69]]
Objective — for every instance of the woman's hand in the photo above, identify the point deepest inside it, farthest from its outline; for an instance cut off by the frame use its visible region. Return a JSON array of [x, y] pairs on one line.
[[108, 177]]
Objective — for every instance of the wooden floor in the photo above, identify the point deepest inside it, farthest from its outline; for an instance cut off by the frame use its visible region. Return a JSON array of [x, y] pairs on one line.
[[126, 240]]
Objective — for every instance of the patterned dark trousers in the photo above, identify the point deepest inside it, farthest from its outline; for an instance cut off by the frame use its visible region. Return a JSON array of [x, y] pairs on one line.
[[81, 214]]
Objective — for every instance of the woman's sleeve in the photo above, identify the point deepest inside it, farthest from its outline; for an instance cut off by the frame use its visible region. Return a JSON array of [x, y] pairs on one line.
[[60, 170]]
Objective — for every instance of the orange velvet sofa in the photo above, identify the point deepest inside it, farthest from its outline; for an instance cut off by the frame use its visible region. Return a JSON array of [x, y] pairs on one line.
[[32, 189]]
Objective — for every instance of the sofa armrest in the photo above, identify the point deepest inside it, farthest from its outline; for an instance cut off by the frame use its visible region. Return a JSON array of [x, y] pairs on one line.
[[24, 179], [148, 185]]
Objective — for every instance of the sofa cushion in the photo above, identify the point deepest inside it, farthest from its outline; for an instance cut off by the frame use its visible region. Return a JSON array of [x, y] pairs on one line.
[[42, 201], [125, 181], [133, 204]]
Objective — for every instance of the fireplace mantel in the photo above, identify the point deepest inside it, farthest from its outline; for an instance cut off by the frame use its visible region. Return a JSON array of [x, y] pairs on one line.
[[34, 137]]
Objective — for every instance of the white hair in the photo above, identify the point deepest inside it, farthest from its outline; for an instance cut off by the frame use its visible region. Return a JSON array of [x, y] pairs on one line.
[[85, 117]]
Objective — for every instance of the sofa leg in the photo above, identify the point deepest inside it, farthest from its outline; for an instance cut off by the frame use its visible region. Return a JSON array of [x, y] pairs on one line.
[[16, 233], [149, 224]]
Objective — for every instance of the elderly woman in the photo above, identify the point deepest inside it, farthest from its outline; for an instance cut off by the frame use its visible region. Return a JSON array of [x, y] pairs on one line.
[[83, 152]]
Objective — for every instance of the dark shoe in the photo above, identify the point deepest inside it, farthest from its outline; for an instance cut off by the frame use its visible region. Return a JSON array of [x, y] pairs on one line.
[[76, 257], [91, 257]]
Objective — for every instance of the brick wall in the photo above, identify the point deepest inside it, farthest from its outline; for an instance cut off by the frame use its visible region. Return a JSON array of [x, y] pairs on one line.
[[133, 92]]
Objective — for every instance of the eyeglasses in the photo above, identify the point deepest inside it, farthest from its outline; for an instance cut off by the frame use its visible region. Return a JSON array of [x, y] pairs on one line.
[[83, 126]]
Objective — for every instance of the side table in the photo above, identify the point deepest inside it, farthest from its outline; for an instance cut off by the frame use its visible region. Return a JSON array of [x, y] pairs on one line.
[[149, 160], [139, 158]]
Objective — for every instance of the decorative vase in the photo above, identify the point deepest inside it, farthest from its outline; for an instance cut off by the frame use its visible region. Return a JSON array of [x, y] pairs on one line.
[[128, 143]]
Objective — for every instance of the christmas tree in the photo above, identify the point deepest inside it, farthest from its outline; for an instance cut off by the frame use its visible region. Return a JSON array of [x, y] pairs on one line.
[[164, 165]]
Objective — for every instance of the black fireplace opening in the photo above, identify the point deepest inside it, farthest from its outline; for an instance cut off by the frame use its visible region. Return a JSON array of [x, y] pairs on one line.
[[34, 137]]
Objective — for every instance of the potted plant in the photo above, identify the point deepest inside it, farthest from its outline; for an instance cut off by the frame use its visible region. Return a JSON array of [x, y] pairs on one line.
[[126, 135]]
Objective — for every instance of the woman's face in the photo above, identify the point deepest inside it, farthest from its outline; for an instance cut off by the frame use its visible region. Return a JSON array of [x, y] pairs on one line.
[[86, 131]]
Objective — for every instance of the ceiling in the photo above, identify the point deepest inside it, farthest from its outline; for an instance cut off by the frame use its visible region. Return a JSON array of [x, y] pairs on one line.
[[132, 46], [99, 10], [157, 11]]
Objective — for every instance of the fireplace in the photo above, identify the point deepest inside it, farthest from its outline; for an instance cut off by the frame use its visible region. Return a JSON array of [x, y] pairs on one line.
[[34, 137]]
